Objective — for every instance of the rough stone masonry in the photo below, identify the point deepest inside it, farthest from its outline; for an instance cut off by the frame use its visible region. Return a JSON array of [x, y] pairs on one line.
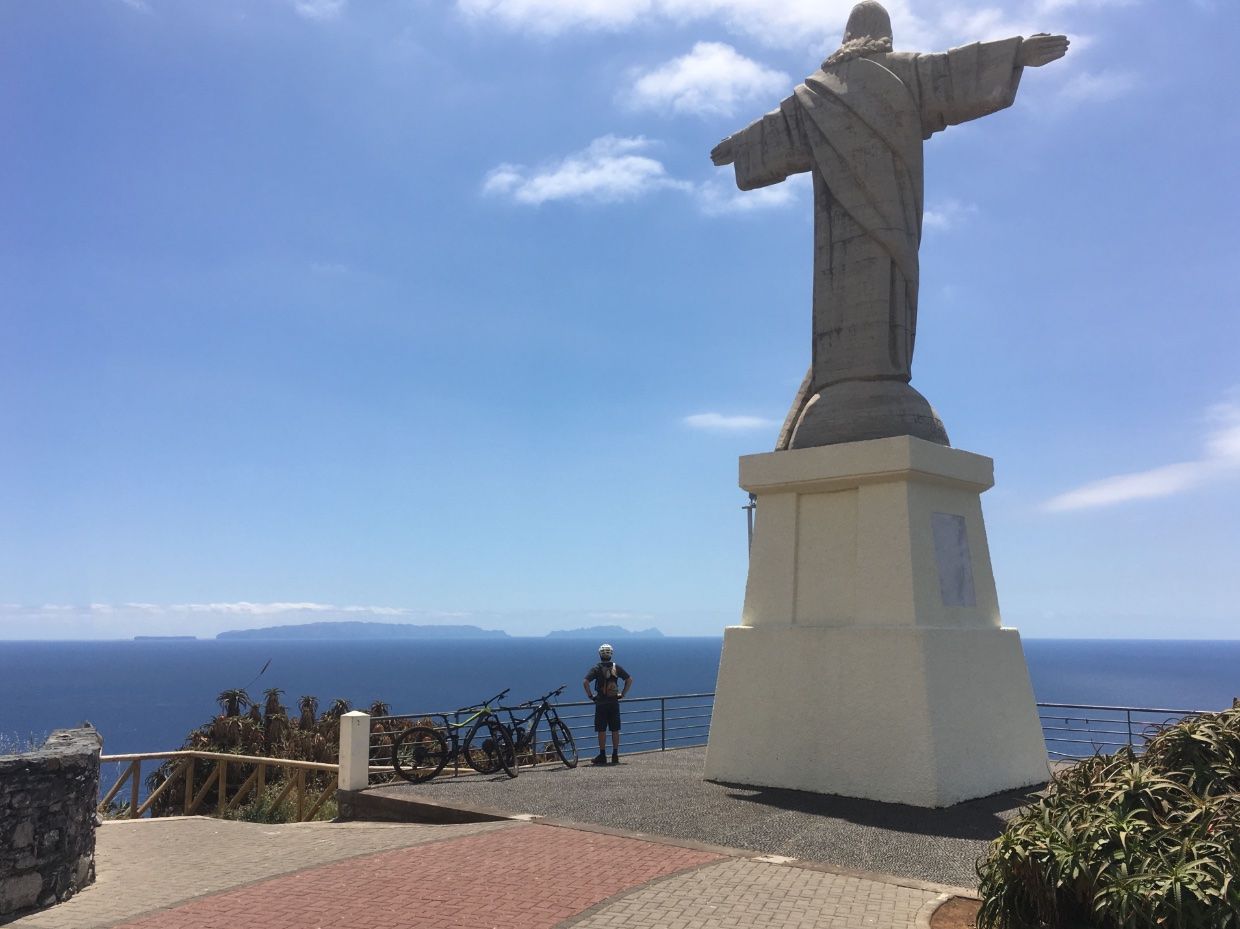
[[47, 820]]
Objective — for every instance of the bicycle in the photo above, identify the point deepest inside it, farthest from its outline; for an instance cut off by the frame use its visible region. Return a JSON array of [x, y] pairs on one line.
[[420, 752], [524, 731]]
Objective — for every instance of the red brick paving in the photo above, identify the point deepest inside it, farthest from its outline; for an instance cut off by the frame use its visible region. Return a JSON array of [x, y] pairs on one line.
[[525, 878]]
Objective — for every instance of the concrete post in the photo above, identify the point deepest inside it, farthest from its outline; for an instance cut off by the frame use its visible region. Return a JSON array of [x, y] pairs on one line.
[[354, 750]]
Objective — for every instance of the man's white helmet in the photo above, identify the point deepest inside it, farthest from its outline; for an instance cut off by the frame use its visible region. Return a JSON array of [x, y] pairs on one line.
[[604, 651]]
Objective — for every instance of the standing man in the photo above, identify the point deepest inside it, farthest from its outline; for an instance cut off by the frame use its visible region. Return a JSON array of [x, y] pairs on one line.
[[607, 697]]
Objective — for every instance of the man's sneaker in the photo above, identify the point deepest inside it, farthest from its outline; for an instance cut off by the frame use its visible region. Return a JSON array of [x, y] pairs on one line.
[[600, 758], [615, 757]]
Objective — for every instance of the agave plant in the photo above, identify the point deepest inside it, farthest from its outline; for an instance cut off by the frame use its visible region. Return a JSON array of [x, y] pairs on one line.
[[273, 706], [1121, 842], [232, 702], [309, 706], [336, 709]]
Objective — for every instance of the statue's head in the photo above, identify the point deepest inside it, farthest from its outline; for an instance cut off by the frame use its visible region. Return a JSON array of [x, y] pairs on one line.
[[868, 20], [868, 33]]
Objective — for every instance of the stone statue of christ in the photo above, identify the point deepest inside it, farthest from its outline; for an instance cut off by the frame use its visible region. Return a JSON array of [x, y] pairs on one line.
[[857, 125]]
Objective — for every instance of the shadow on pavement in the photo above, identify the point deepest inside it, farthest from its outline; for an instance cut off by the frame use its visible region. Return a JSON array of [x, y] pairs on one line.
[[982, 819]]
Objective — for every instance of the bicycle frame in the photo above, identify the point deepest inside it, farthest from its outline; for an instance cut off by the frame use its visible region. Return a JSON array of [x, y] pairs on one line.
[[524, 730], [452, 729], [420, 752]]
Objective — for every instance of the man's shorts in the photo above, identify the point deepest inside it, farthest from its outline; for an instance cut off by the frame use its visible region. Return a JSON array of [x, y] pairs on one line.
[[607, 715]]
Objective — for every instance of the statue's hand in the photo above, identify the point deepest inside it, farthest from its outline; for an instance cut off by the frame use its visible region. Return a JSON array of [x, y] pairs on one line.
[[724, 153], [1042, 49]]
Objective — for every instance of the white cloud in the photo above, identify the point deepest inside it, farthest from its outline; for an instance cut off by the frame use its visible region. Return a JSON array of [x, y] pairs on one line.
[[789, 22], [610, 169], [1097, 86], [801, 24], [320, 9], [720, 196], [711, 80], [947, 214], [1220, 459], [722, 422]]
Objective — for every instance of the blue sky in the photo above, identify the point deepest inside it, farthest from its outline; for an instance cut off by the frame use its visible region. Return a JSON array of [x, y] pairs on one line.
[[438, 312]]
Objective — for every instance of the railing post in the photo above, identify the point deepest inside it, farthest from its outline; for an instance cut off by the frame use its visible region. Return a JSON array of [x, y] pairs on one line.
[[354, 751], [135, 784], [1128, 719], [190, 764], [663, 724]]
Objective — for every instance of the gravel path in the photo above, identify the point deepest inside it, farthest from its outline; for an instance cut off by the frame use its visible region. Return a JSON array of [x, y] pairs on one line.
[[663, 793]]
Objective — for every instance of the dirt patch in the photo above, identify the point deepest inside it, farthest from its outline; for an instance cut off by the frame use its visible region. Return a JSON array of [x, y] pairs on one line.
[[956, 913]]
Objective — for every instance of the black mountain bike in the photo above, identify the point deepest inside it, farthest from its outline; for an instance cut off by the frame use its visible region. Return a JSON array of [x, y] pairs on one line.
[[419, 753], [525, 731]]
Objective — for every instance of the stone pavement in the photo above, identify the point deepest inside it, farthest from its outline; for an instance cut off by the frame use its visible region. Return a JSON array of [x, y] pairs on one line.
[[193, 873], [663, 793]]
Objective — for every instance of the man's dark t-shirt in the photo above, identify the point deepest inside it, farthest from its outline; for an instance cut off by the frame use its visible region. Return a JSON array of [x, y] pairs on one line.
[[606, 675]]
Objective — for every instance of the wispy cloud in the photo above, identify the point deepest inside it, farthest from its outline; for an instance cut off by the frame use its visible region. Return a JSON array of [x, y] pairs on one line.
[[719, 195], [711, 80], [610, 169], [815, 24], [947, 214], [1098, 86], [1220, 459], [723, 422], [320, 9], [614, 169]]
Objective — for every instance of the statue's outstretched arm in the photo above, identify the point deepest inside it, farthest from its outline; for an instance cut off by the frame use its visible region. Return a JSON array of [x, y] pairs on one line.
[[724, 153], [1041, 49]]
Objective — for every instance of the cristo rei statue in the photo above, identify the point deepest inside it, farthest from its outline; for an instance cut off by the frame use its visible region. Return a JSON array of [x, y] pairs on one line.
[[857, 124], [871, 660]]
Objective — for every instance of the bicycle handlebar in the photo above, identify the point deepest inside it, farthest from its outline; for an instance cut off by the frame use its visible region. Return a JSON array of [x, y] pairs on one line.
[[543, 699], [487, 702]]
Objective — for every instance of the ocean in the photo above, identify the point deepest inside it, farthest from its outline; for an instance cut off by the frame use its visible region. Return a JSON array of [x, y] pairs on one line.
[[147, 695]]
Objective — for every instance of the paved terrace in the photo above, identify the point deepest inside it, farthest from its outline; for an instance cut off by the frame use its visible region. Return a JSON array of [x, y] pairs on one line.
[[662, 793], [196, 873]]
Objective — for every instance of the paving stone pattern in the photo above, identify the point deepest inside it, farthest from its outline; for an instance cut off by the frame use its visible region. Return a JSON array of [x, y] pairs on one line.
[[747, 893], [145, 865], [663, 793], [532, 877]]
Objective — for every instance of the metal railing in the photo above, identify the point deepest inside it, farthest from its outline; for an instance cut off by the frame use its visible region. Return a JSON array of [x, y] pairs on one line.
[[1071, 730], [1078, 730], [651, 724]]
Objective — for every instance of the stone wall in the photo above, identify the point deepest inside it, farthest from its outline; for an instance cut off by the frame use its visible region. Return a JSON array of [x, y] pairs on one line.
[[47, 820]]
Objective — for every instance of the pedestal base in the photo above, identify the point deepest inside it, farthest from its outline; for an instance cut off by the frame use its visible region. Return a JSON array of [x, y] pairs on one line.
[[872, 661], [928, 717]]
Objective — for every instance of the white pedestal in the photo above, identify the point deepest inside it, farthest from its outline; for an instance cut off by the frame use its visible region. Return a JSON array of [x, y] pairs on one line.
[[871, 661]]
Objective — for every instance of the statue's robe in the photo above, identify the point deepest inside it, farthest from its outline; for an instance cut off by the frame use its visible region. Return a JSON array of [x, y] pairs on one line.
[[858, 126]]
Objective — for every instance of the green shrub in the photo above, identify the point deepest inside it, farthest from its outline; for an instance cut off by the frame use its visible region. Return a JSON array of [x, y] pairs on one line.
[[1127, 842], [265, 809]]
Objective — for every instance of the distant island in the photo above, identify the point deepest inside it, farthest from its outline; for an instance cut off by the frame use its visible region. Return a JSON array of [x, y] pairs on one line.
[[605, 632], [369, 630], [364, 630]]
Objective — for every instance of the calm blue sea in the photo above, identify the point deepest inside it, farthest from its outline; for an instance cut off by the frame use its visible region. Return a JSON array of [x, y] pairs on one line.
[[145, 696]]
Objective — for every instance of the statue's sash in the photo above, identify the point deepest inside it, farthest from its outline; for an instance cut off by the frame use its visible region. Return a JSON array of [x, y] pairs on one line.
[[868, 149]]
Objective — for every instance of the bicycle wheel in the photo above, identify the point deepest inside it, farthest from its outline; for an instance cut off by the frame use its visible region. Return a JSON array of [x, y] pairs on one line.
[[562, 741], [419, 754], [490, 748], [507, 752]]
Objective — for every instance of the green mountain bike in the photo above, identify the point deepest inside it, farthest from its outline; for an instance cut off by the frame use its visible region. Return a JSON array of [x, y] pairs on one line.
[[419, 753]]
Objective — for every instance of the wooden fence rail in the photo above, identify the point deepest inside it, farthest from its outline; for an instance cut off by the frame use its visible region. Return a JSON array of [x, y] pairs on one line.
[[185, 771]]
